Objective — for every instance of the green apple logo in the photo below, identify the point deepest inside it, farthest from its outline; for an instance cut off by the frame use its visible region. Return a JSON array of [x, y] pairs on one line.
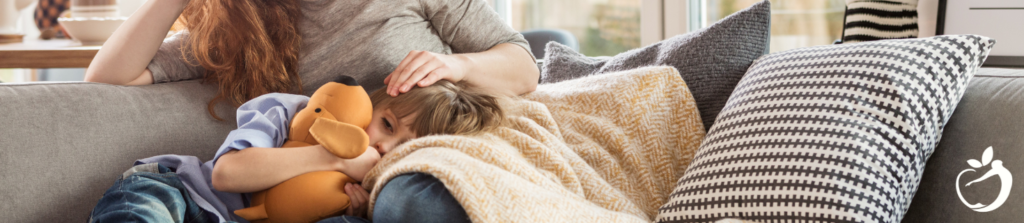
[[997, 170]]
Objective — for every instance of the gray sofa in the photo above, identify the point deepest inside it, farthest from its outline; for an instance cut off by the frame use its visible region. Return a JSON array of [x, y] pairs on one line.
[[63, 144]]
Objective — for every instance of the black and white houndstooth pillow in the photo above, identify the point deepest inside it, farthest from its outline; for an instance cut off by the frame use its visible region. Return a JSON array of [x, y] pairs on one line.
[[869, 20], [837, 133]]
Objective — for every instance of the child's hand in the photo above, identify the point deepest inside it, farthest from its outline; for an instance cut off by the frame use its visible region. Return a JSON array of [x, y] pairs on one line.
[[360, 199], [358, 167]]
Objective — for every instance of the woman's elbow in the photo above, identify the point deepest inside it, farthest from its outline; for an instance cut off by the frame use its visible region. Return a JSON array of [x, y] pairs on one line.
[[527, 88], [91, 75], [104, 76], [99, 76], [531, 80]]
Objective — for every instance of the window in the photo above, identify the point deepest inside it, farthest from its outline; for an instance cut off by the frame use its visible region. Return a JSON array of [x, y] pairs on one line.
[[608, 27], [795, 23], [602, 27]]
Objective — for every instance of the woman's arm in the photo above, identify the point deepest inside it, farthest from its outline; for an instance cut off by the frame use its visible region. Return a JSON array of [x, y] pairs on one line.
[[124, 56], [487, 53], [505, 69], [255, 169]]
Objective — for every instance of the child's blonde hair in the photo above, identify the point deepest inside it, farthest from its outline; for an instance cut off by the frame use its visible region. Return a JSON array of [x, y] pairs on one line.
[[442, 108]]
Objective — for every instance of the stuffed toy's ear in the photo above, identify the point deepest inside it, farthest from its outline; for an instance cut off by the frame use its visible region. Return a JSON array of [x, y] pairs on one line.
[[346, 80], [342, 139]]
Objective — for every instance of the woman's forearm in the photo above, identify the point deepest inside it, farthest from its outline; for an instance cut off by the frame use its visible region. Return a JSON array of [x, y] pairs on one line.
[[256, 169], [505, 69], [125, 55]]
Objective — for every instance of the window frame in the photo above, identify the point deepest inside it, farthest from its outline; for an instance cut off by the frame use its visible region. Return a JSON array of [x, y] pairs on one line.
[[663, 19], [659, 19], [504, 9]]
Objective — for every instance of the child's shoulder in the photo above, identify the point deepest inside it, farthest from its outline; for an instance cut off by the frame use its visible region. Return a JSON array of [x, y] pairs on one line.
[[267, 101]]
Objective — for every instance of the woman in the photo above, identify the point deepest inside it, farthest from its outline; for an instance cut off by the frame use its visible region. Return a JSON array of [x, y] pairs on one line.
[[252, 47]]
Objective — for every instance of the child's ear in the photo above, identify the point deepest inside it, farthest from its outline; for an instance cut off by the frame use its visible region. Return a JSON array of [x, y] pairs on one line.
[[341, 139]]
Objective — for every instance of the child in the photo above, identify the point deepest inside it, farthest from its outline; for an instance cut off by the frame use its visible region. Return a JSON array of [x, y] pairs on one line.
[[172, 188]]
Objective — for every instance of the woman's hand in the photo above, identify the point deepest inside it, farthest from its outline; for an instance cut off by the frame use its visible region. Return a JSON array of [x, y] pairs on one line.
[[423, 68], [360, 199], [505, 69]]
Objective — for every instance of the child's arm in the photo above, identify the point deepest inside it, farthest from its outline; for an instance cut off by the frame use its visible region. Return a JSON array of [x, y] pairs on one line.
[[255, 169], [248, 160]]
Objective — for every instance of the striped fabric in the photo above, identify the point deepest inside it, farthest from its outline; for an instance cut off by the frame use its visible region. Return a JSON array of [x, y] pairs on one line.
[[837, 133], [868, 20]]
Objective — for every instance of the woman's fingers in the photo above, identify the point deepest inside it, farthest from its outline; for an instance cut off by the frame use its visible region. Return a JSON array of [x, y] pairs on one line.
[[434, 66], [402, 64], [392, 77], [422, 68], [416, 59], [431, 78]]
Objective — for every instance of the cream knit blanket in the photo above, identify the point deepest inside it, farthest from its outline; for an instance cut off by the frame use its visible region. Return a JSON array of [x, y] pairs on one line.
[[605, 148]]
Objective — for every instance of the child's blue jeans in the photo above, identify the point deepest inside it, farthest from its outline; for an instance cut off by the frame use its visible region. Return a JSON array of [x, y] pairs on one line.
[[148, 193], [153, 193]]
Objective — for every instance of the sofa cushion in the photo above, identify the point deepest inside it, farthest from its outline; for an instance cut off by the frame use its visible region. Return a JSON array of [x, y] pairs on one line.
[[828, 133], [63, 144], [710, 60], [984, 136]]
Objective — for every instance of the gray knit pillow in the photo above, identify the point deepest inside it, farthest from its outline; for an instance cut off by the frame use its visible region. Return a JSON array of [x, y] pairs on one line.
[[711, 60]]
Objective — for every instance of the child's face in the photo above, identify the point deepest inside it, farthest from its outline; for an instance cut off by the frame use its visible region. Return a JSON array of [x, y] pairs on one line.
[[387, 131]]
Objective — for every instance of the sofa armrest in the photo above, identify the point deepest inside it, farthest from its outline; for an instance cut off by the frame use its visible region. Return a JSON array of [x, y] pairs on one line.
[[988, 116], [63, 144]]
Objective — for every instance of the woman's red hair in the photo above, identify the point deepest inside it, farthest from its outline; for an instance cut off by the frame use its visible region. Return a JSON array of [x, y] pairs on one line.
[[248, 47]]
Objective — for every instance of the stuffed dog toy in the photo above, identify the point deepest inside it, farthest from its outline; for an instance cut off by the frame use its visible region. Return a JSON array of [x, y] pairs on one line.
[[335, 117]]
